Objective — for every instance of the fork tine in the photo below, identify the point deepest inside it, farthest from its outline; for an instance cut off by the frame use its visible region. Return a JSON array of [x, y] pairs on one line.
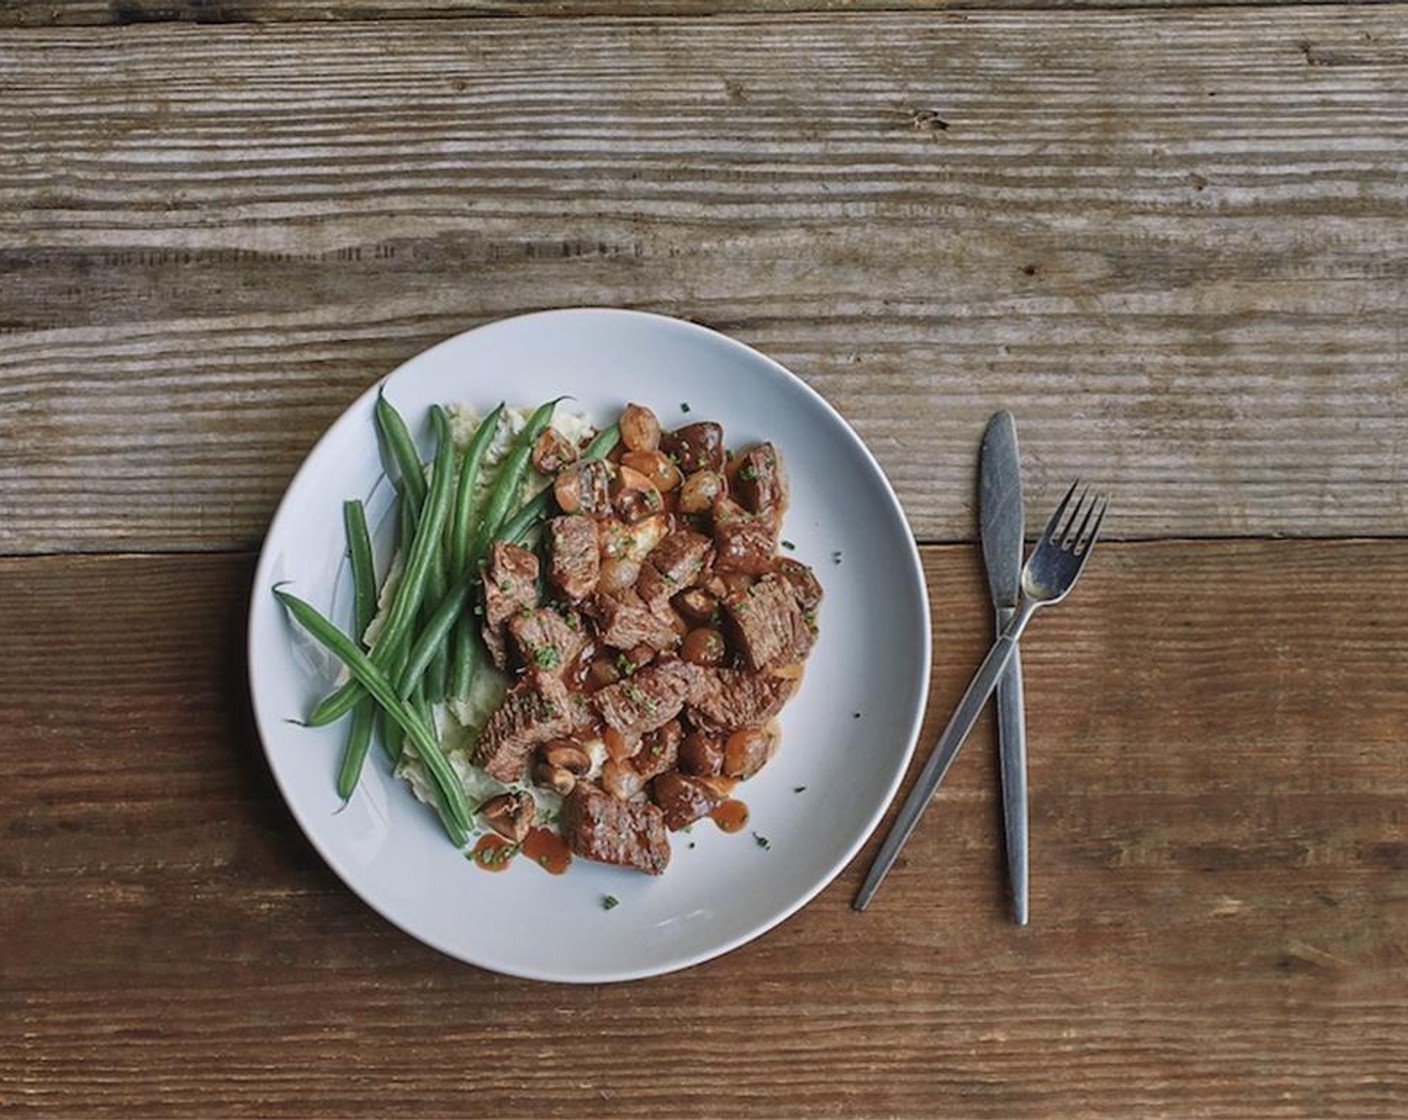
[[1089, 542], [1050, 532], [1079, 535], [1067, 539]]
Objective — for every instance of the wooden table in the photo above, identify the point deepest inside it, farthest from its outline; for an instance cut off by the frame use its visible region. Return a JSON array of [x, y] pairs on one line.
[[1173, 239]]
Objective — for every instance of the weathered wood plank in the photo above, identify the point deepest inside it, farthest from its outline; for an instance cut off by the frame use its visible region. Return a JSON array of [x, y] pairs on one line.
[[97, 13], [1173, 244], [1219, 894]]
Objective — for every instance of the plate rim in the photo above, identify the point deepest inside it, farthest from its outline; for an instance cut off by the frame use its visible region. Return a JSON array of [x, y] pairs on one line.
[[913, 562]]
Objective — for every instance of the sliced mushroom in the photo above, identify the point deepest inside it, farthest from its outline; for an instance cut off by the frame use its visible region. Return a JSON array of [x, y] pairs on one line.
[[509, 814], [585, 488], [554, 778], [564, 754], [634, 496]]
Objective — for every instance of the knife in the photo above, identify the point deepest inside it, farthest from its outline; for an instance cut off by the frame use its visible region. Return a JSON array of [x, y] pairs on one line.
[[1000, 515]]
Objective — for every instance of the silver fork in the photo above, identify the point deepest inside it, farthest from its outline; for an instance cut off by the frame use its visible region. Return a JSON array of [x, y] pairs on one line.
[[1047, 577]]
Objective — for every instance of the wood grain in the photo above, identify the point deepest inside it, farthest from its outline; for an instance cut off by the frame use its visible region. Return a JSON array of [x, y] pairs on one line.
[[1173, 243], [1220, 894], [91, 13]]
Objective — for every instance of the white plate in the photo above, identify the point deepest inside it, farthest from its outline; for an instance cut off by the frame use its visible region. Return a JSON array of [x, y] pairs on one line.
[[720, 890]]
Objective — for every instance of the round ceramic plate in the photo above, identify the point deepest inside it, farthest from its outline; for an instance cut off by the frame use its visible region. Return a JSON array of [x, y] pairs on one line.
[[847, 734]]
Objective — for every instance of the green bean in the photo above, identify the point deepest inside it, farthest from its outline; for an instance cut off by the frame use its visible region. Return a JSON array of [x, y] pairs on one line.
[[506, 487], [354, 754], [464, 495], [438, 670], [371, 677], [411, 591], [405, 604], [432, 638], [464, 656], [359, 553], [603, 442], [393, 736], [402, 448]]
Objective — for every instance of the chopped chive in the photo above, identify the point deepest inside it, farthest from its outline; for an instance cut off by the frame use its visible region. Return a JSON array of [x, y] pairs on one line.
[[610, 902], [762, 842]]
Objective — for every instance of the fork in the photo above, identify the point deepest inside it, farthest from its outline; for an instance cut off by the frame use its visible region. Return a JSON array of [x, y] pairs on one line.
[[1047, 577]]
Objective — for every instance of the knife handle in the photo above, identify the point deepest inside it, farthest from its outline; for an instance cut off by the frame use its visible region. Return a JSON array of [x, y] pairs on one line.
[[1012, 754]]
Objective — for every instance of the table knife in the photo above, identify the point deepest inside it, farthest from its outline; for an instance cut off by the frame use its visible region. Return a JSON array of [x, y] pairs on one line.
[[1000, 516]]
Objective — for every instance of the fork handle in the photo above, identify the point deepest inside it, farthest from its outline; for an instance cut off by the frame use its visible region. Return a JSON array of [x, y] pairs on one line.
[[946, 750]]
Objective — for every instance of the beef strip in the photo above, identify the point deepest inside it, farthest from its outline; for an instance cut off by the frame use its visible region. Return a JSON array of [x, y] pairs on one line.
[[759, 483], [681, 558], [648, 698], [729, 699], [626, 833], [626, 621], [510, 585], [573, 560], [685, 798], [768, 625], [543, 638], [536, 709]]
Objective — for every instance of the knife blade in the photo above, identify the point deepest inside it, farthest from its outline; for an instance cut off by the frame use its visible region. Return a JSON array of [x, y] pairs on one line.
[[1001, 520]]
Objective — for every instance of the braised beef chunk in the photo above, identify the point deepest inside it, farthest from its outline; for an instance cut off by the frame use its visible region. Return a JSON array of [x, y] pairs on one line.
[[545, 639], [743, 542], [759, 483], [626, 621], [573, 560], [695, 447], [648, 698], [727, 699], [768, 625], [536, 709], [681, 557], [685, 798], [655, 591], [625, 833], [802, 580], [510, 585], [659, 751]]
